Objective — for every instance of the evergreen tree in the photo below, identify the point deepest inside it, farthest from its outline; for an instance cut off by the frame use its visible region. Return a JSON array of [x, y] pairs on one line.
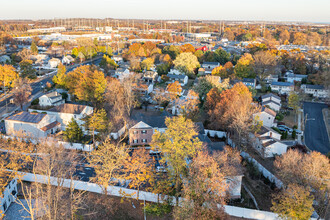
[[34, 48], [73, 132]]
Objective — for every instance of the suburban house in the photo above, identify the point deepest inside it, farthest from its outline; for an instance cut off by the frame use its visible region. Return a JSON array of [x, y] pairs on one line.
[[250, 82], [122, 73], [182, 79], [54, 62], [316, 90], [175, 72], [282, 87], [290, 77], [8, 194], [51, 99], [5, 59], [65, 112], [144, 127], [118, 59], [267, 142], [271, 100], [36, 125], [176, 106], [150, 76], [143, 87], [67, 60], [267, 116], [140, 134], [209, 66]]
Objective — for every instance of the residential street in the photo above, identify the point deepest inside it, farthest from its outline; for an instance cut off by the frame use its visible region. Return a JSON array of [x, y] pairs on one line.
[[315, 135]]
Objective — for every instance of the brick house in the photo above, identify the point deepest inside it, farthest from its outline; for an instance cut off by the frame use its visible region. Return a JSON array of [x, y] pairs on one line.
[[140, 134]]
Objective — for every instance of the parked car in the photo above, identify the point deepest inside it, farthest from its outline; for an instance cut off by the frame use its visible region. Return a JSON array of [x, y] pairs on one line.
[[290, 130], [298, 131]]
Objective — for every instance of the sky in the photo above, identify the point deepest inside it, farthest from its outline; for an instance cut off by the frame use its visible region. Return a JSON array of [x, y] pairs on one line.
[[261, 10]]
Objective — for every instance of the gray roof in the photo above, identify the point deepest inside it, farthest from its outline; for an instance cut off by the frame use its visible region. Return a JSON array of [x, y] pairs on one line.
[[271, 95], [68, 108], [29, 117], [297, 75], [282, 84], [176, 76], [153, 121], [314, 87], [211, 63], [250, 80], [271, 101]]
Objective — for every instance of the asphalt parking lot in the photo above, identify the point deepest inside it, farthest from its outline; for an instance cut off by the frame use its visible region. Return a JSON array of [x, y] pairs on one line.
[[315, 135]]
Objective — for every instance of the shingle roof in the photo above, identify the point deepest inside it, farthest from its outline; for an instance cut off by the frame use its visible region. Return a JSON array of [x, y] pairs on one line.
[[282, 84], [211, 63], [269, 111], [270, 101], [250, 80], [176, 76], [314, 87], [153, 121], [68, 108], [271, 95], [50, 126], [28, 117], [268, 143], [141, 125]]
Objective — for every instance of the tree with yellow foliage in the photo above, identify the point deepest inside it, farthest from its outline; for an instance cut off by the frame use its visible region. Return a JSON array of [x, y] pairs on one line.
[[294, 202], [186, 62], [244, 67], [178, 143], [174, 90], [87, 84], [8, 75], [108, 161]]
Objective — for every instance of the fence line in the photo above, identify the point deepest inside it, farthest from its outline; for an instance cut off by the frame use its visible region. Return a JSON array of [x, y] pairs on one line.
[[147, 196]]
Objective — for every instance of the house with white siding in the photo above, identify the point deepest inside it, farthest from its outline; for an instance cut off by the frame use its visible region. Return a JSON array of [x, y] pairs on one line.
[[267, 116], [8, 194], [65, 112], [267, 142], [271, 100], [51, 99], [316, 90], [32, 124], [282, 87]]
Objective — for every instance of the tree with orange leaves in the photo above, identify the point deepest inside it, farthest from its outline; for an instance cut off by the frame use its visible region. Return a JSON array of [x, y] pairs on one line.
[[138, 168], [174, 90], [204, 184], [233, 112]]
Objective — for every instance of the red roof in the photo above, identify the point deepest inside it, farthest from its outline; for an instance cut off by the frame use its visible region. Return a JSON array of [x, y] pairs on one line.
[[203, 48]]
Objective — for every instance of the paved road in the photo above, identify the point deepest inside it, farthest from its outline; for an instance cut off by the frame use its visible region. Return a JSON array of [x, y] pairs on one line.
[[315, 135]]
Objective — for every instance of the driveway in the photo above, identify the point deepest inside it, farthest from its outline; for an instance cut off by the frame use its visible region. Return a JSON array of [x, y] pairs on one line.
[[315, 134]]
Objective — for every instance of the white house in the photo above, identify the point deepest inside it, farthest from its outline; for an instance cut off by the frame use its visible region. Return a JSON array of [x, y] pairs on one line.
[[316, 90], [282, 87], [209, 66], [5, 59], [271, 100], [36, 125], [250, 82], [267, 116], [65, 112], [122, 73], [290, 77], [9, 194], [182, 79], [51, 99], [176, 72], [267, 142], [54, 62], [67, 60]]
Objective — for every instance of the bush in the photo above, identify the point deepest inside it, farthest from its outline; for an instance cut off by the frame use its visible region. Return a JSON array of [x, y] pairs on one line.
[[276, 129], [279, 117], [35, 102], [64, 95], [158, 209], [294, 134]]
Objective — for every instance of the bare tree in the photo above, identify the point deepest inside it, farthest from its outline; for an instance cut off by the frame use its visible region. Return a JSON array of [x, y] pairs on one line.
[[21, 92]]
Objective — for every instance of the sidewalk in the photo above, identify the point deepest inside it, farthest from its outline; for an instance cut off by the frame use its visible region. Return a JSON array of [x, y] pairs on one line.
[[326, 118]]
